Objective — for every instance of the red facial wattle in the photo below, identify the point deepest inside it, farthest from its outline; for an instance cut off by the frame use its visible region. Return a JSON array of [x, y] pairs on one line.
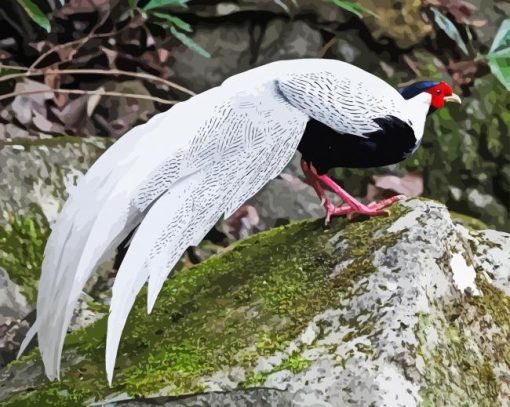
[[442, 93]]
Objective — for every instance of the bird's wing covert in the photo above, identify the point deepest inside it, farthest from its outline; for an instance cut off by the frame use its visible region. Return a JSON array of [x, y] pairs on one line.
[[341, 96]]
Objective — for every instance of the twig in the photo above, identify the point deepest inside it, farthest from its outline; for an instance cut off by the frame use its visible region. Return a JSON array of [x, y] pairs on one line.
[[62, 46], [411, 64], [13, 67], [141, 75], [148, 64], [90, 92], [80, 42], [325, 48]]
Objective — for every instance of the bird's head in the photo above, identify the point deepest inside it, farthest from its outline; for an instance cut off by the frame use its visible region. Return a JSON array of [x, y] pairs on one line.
[[440, 92]]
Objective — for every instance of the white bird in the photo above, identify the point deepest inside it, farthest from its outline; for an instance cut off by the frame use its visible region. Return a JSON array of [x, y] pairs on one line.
[[176, 175]]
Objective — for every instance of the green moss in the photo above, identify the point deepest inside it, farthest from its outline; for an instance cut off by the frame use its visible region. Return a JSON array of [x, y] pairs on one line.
[[251, 301], [22, 243], [97, 307], [468, 221], [295, 363], [461, 364]]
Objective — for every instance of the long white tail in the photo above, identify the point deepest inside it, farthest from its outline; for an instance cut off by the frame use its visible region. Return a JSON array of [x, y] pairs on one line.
[[178, 219], [177, 175], [97, 216]]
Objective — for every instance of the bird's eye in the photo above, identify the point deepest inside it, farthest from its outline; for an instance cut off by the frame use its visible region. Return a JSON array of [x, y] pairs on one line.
[[438, 91]]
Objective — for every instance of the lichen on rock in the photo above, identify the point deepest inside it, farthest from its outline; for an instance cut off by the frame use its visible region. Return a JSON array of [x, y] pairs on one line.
[[35, 178], [361, 312]]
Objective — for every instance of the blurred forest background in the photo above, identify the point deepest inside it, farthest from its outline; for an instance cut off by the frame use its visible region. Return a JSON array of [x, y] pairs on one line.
[[76, 75]]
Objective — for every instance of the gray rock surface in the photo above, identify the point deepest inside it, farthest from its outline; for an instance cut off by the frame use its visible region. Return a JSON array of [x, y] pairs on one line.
[[240, 398], [13, 305], [384, 367], [416, 298], [237, 46], [284, 39], [13, 308], [35, 177], [40, 171]]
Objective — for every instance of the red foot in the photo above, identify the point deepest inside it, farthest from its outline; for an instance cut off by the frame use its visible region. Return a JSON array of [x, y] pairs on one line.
[[372, 209], [351, 206]]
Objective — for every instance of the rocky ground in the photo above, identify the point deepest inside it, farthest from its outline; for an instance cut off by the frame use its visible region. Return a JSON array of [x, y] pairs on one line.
[[403, 310]]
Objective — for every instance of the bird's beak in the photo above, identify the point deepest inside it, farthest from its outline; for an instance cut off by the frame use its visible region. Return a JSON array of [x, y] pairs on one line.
[[453, 98]]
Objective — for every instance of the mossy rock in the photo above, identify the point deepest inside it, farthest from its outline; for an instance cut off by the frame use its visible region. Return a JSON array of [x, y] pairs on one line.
[[40, 171], [340, 315], [400, 20], [35, 175]]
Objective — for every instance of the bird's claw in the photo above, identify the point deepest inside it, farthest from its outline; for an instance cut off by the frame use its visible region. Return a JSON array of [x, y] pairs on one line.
[[372, 209]]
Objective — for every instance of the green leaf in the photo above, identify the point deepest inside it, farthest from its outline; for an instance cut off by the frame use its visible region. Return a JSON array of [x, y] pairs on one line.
[[132, 4], [449, 28], [500, 67], [352, 7], [183, 25], [35, 14], [189, 42], [499, 55], [164, 3], [502, 38], [503, 53]]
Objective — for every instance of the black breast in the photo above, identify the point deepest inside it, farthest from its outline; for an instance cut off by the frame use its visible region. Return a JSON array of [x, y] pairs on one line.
[[325, 148]]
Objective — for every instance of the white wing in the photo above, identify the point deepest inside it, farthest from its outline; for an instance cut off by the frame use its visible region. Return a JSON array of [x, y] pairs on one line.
[[179, 173]]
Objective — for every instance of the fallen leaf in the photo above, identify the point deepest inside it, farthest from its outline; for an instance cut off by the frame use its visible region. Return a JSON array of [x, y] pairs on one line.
[[93, 101], [53, 82], [241, 223], [410, 184]]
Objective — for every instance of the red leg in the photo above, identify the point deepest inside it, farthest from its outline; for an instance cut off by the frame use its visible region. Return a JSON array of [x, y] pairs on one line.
[[352, 207], [316, 185], [314, 182]]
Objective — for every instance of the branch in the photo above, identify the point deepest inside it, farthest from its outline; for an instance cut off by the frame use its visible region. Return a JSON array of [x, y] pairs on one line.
[[325, 48], [13, 67], [90, 92], [80, 42], [141, 75]]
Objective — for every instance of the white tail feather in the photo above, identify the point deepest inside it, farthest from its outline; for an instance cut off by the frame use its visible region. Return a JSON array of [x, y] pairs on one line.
[[181, 170], [149, 250]]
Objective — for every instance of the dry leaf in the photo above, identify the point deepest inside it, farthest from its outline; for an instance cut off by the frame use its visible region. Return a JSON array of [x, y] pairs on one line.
[[93, 101], [241, 223], [410, 184], [53, 82]]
